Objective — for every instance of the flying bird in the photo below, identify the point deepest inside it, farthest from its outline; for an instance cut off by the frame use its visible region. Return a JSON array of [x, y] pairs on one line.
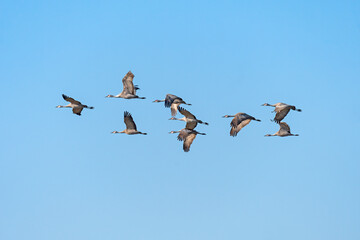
[[129, 90], [172, 102], [189, 118], [284, 131], [240, 120], [187, 136], [76, 106], [130, 125], [281, 109]]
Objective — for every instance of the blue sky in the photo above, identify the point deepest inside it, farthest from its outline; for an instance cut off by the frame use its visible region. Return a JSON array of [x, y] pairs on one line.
[[66, 177]]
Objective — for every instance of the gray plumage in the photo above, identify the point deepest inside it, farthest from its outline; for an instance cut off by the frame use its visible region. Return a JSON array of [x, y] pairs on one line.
[[172, 101], [129, 90], [76, 106], [239, 121], [187, 136], [281, 109], [189, 118], [284, 131]]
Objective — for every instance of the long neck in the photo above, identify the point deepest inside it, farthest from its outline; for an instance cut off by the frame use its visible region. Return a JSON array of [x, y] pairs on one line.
[[180, 119], [159, 100], [60, 106], [270, 135]]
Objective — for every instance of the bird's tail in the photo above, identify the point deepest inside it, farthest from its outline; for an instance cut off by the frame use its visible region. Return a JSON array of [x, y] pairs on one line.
[[203, 122]]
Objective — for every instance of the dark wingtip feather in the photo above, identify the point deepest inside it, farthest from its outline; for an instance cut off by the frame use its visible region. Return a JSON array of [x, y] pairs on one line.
[[126, 114]]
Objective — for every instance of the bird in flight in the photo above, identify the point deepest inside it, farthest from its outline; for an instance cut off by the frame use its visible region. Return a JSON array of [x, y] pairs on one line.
[[281, 109], [239, 121], [76, 106], [284, 131], [129, 90], [172, 102], [130, 125], [187, 136], [189, 118]]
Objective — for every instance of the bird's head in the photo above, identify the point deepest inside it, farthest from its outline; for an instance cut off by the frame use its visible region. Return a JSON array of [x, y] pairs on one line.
[[226, 116], [156, 101], [108, 95], [174, 132], [58, 106], [265, 104], [268, 135], [114, 132]]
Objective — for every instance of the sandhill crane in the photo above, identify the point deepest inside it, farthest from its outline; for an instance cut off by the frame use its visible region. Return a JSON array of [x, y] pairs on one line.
[[189, 118], [130, 125], [76, 106], [172, 102], [284, 131], [240, 120], [281, 109], [129, 90], [187, 136]]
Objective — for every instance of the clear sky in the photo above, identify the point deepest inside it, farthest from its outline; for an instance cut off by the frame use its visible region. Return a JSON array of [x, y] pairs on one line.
[[66, 177]]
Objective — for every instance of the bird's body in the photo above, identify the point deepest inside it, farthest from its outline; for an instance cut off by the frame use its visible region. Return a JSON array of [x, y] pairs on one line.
[[130, 125], [239, 121], [284, 131], [172, 102], [281, 109], [76, 106], [187, 136], [129, 90], [189, 118]]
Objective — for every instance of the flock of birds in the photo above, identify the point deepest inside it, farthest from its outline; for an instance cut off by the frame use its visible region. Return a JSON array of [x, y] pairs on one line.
[[187, 134]]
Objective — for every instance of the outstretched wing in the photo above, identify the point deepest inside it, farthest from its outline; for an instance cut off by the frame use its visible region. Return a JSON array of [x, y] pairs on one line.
[[235, 129], [284, 127], [239, 118], [169, 99], [129, 121], [186, 113], [77, 110], [188, 141], [71, 100], [281, 115], [183, 134], [191, 125], [128, 85]]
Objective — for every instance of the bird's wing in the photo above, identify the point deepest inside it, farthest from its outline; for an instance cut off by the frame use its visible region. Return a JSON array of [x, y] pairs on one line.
[[174, 108], [284, 127], [129, 121], [69, 99], [128, 85], [239, 117], [186, 113], [183, 134], [188, 141], [169, 99], [234, 130], [191, 125], [281, 115], [77, 110]]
